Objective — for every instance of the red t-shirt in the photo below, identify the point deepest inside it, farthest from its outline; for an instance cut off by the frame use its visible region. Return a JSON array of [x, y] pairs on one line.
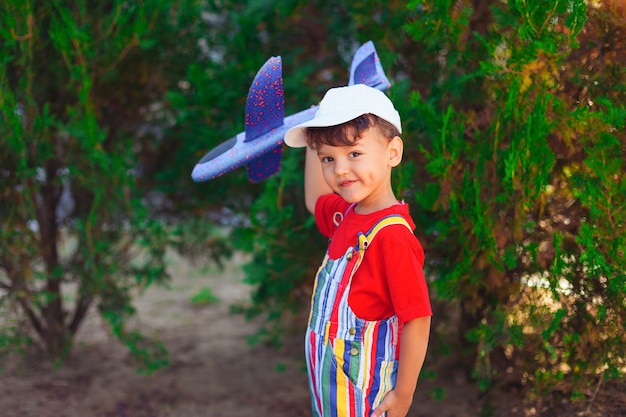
[[390, 279]]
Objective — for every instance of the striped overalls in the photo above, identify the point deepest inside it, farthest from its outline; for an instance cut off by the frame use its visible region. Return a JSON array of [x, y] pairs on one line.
[[352, 363]]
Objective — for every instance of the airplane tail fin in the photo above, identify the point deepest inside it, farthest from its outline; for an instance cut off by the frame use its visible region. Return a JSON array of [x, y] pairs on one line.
[[265, 105], [265, 166], [367, 69]]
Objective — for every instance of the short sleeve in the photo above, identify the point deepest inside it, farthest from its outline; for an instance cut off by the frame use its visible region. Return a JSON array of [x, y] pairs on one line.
[[403, 263], [328, 209]]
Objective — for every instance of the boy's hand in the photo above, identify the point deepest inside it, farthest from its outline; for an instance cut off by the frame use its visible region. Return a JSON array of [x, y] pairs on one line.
[[394, 405]]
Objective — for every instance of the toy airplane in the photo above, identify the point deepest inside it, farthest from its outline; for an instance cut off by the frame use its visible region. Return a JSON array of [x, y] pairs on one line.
[[259, 147]]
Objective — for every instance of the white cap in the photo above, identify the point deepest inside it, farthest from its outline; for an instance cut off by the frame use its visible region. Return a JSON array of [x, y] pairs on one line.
[[343, 104]]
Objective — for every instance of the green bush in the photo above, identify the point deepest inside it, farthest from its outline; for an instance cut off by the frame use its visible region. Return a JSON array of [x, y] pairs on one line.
[[525, 195], [77, 81]]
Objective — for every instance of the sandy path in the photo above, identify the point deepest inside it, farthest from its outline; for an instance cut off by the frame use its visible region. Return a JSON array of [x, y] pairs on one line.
[[213, 371]]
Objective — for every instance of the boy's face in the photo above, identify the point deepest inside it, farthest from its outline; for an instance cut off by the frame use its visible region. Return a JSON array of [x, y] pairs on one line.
[[361, 173]]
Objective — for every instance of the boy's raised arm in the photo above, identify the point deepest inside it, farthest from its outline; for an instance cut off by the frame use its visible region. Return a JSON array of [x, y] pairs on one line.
[[314, 183]]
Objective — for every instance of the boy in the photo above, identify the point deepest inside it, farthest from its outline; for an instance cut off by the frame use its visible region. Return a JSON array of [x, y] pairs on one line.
[[370, 315]]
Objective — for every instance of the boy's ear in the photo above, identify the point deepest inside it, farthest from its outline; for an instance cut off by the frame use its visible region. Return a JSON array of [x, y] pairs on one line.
[[395, 147]]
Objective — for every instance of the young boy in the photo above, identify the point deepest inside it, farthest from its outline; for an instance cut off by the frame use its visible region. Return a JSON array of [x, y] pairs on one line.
[[370, 314]]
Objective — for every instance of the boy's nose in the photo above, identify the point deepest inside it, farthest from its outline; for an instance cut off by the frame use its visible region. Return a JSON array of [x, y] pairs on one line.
[[341, 167]]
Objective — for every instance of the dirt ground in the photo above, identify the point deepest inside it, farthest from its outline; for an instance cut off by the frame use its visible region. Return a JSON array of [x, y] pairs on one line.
[[214, 372]]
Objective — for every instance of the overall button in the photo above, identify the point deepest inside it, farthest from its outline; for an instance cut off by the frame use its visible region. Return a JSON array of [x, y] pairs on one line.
[[354, 351], [352, 331], [349, 255]]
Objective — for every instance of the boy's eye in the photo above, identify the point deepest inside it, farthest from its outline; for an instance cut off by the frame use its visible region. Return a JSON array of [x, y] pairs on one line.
[[354, 154], [327, 159]]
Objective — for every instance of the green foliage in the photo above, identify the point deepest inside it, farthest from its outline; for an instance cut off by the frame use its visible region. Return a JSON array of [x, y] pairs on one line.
[[438, 393], [13, 337], [283, 242], [526, 217], [203, 297], [75, 82]]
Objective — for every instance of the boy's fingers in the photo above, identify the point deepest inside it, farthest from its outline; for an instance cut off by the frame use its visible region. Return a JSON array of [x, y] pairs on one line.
[[378, 412]]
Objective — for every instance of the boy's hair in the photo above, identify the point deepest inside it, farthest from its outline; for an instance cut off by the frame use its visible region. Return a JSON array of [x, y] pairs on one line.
[[346, 134]]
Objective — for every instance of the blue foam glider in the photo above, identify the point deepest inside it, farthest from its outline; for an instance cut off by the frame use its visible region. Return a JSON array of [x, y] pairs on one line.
[[259, 147]]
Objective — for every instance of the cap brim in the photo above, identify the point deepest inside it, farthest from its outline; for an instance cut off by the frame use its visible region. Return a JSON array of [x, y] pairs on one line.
[[296, 137]]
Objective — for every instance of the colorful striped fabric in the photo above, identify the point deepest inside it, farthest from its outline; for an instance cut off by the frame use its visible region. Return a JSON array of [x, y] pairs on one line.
[[352, 363]]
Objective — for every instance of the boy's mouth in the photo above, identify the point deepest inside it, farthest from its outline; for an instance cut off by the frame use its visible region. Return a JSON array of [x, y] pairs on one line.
[[346, 183]]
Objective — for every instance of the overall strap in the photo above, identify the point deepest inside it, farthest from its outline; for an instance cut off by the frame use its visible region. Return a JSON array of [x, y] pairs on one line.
[[365, 239]]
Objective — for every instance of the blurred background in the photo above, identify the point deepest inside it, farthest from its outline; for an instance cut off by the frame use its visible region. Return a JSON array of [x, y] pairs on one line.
[[515, 152]]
